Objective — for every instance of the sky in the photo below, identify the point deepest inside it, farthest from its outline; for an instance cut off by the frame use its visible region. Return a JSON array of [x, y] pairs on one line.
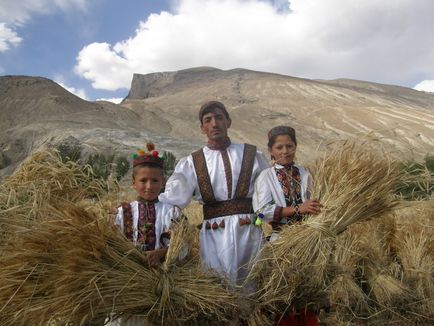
[[93, 47]]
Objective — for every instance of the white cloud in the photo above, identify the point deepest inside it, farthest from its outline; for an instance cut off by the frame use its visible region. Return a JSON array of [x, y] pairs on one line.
[[426, 86], [80, 92], [17, 13], [8, 38], [385, 41], [115, 100], [98, 60]]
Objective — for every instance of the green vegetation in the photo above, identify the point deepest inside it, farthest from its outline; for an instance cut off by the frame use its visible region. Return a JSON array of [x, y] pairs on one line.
[[417, 179], [69, 152], [122, 166], [102, 166], [169, 163]]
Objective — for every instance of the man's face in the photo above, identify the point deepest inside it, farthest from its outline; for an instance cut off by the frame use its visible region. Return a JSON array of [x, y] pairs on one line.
[[215, 125]]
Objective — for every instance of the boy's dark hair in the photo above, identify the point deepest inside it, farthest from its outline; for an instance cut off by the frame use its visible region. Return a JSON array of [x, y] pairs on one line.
[[147, 165]]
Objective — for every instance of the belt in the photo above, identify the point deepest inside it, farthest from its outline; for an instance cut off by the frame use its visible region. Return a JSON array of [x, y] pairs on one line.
[[228, 207]]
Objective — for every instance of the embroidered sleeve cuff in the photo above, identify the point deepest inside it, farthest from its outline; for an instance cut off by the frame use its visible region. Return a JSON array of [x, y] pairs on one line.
[[277, 214]]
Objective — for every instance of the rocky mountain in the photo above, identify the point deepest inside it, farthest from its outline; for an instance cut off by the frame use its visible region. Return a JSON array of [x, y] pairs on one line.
[[162, 107], [320, 111]]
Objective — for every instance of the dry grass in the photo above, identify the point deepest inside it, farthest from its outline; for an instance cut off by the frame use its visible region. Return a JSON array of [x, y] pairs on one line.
[[73, 267], [344, 292], [65, 262], [414, 247], [354, 183], [40, 180]]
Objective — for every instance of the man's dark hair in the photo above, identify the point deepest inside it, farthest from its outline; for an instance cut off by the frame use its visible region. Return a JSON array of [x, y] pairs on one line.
[[210, 106]]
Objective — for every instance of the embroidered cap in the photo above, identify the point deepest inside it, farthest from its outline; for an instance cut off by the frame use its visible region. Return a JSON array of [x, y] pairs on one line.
[[212, 105], [282, 130], [151, 157]]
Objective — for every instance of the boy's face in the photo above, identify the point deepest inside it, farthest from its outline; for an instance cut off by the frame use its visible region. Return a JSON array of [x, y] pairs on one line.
[[148, 182]]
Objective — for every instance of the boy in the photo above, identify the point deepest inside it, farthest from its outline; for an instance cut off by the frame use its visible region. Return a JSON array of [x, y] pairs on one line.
[[146, 221]]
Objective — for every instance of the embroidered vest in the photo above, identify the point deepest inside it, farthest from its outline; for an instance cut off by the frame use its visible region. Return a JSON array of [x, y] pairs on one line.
[[145, 228], [240, 204]]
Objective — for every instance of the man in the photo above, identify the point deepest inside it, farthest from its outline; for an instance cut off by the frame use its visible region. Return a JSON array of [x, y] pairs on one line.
[[221, 177]]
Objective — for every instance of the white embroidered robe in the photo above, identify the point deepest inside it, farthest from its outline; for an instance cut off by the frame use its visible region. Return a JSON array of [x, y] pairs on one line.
[[268, 192], [227, 250]]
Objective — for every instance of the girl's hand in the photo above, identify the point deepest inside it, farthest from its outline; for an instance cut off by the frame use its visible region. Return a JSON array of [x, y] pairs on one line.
[[312, 206]]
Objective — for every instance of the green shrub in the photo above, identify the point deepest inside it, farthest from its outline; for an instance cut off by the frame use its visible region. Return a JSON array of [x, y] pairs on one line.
[[101, 165], [69, 152], [417, 179], [169, 163], [122, 166]]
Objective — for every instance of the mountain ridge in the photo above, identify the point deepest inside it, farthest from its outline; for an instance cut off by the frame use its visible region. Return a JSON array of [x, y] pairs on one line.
[[162, 107]]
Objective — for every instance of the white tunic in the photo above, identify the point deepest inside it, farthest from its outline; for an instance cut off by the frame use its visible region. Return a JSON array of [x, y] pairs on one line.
[[268, 192], [164, 214], [230, 249]]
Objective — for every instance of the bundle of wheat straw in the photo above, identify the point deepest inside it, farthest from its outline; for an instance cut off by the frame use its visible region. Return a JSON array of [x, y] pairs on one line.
[[27, 266], [41, 180], [414, 247], [80, 268], [354, 183], [378, 268], [345, 293]]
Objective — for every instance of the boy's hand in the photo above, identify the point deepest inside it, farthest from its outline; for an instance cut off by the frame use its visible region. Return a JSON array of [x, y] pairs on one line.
[[154, 258]]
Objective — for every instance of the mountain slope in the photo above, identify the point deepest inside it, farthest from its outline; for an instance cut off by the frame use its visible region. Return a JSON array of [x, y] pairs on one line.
[[163, 107]]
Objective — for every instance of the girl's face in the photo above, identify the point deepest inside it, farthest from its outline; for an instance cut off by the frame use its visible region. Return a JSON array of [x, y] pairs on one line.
[[283, 150]]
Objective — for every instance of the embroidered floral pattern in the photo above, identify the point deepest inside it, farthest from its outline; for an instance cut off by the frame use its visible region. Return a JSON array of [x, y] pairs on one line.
[[240, 204], [228, 207], [128, 221], [246, 171], [290, 180], [228, 171], [146, 237]]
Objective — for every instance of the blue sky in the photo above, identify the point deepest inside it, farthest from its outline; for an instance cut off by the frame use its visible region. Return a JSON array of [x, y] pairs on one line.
[[93, 47], [51, 41]]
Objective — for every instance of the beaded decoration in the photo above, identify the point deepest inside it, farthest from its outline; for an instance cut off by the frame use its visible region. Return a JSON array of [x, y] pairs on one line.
[[150, 156]]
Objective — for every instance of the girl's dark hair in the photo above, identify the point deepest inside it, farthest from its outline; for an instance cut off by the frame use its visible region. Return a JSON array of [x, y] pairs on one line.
[[281, 130]]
